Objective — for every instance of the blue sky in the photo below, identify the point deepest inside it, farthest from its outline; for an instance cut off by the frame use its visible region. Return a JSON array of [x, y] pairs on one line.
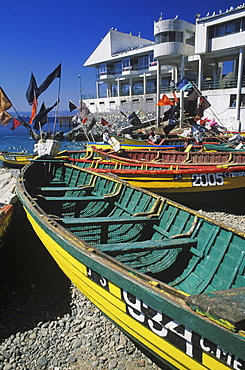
[[37, 36]]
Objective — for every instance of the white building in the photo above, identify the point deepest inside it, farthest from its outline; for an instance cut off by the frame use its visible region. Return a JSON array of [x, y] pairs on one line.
[[133, 73]]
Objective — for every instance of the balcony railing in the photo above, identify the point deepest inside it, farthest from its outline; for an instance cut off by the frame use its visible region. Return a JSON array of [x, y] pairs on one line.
[[225, 83]]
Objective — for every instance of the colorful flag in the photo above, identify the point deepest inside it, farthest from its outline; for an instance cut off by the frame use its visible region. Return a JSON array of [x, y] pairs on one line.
[[182, 82], [5, 118], [5, 103], [165, 101], [72, 106], [175, 98], [51, 77], [103, 122], [33, 110], [31, 90], [187, 87], [15, 124]]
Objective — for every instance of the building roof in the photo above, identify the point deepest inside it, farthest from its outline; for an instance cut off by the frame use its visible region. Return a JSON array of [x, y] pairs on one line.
[[115, 43]]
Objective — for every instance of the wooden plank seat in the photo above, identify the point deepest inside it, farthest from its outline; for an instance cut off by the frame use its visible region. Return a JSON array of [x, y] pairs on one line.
[[62, 188], [89, 198], [147, 245], [106, 220]]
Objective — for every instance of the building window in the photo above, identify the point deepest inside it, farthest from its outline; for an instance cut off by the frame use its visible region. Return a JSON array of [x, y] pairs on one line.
[[233, 101], [152, 60], [143, 63], [227, 28], [190, 38], [126, 64], [170, 36], [118, 68]]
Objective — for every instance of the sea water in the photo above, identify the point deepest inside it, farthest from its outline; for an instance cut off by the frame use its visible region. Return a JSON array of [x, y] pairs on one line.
[[19, 140]]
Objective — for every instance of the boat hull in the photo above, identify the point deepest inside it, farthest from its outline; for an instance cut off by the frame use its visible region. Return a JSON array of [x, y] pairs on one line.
[[107, 287], [15, 160], [6, 214], [152, 313]]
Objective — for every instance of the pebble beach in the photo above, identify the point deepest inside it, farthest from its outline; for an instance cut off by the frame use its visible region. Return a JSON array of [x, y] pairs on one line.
[[47, 324]]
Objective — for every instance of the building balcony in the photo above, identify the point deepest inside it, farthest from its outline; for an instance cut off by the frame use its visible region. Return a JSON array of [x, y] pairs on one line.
[[127, 71], [106, 75]]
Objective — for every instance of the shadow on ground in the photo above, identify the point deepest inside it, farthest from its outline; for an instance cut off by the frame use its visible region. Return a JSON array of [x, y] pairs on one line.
[[33, 289]]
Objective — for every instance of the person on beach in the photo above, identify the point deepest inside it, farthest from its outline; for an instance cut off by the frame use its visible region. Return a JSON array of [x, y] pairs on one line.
[[106, 136]]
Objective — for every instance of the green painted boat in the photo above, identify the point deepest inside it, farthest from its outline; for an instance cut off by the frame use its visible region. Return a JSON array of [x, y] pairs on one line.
[[170, 278]]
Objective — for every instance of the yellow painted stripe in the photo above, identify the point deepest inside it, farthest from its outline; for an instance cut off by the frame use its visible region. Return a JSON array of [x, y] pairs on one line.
[[113, 307], [211, 363]]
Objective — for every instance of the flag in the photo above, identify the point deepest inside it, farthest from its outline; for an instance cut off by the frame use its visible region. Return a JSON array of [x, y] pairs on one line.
[[175, 98], [134, 119], [92, 123], [42, 117], [171, 125], [103, 122], [31, 90], [33, 110], [172, 112], [5, 118], [165, 101], [72, 106], [5, 103], [84, 112], [187, 87], [182, 82], [203, 104], [51, 77], [15, 124], [193, 94]]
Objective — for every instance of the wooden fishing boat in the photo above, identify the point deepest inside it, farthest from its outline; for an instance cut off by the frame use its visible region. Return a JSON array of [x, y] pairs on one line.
[[175, 140], [6, 214], [173, 157], [167, 276], [180, 144], [15, 159], [196, 186], [8, 199]]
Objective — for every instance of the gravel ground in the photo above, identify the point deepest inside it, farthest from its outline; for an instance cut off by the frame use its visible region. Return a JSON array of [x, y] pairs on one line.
[[47, 324]]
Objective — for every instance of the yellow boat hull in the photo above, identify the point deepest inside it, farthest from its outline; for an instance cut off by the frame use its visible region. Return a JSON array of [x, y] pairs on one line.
[[116, 306]]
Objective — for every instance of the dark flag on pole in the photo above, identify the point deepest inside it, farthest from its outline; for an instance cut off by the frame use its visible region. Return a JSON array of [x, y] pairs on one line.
[[31, 90], [51, 77], [72, 106], [84, 110], [42, 117], [171, 125], [134, 119], [92, 123], [203, 104]]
